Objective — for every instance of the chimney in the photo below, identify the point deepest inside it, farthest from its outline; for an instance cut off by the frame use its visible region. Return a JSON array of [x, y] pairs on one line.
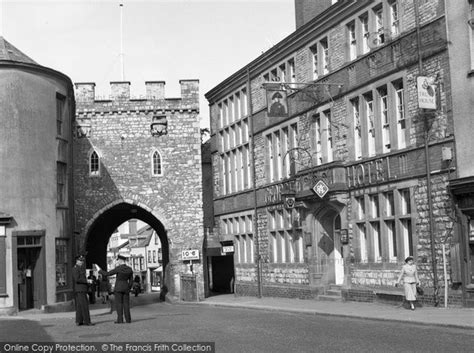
[[85, 91], [155, 90], [306, 10], [190, 90], [120, 90]]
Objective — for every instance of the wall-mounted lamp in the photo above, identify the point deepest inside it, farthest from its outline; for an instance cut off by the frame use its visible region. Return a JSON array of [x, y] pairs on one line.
[[159, 125]]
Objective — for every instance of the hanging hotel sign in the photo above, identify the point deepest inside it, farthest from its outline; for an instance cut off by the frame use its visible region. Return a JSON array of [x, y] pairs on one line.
[[320, 188], [277, 102], [426, 88]]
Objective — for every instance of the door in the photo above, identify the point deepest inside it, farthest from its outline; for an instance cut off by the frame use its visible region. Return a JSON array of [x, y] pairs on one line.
[[328, 248], [27, 266]]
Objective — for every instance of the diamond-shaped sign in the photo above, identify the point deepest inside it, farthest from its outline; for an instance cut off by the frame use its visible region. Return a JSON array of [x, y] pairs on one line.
[[320, 188], [326, 244]]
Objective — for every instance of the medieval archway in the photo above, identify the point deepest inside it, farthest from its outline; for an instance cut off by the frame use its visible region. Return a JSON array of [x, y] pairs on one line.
[[107, 221]]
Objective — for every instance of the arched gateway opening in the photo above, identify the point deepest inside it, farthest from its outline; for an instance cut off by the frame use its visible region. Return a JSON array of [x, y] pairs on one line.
[[101, 228]]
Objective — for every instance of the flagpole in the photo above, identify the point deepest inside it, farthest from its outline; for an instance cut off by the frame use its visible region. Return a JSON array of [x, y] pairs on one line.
[[121, 43]]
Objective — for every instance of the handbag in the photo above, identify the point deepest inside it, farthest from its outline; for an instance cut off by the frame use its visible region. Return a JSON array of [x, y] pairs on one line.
[[419, 290]]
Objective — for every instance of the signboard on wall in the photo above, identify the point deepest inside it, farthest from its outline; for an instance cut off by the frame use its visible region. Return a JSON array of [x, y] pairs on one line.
[[190, 255], [426, 88]]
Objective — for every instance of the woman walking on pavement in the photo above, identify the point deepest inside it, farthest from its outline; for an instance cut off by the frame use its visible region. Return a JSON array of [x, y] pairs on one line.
[[410, 280]]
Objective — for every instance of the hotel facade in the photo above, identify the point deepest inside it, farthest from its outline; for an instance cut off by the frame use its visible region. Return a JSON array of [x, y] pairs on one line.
[[333, 154]]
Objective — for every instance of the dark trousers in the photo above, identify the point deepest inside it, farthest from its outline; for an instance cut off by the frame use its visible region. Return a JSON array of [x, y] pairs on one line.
[[122, 305], [82, 308]]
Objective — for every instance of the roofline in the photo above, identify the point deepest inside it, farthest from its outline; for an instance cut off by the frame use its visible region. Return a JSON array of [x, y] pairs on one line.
[[282, 48], [36, 67]]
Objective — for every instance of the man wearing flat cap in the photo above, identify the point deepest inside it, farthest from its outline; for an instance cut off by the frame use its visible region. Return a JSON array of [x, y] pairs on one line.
[[79, 282], [123, 284]]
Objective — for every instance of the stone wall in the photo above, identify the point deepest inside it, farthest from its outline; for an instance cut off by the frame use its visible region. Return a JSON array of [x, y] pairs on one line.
[[125, 133]]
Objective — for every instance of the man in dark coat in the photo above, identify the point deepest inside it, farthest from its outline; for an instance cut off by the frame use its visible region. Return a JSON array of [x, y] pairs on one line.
[[123, 284], [79, 282]]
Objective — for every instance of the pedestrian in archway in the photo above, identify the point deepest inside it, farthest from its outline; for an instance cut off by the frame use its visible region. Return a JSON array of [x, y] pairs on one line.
[[123, 284], [136, 285], [409, 275], [80, 287]]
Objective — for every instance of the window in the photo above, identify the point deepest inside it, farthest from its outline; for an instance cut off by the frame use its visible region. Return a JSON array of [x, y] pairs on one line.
[[325, 55], [94, 164], [233, 143], [369, 29], [364, 25], [394, 19], [382, 121], [352, 36], [357, 128], [320, 58], [379, 25], [385, 233], [61, 177], [291, 71], [286, 241], [284, 72], [384, 118], [314, 61], [60, 105], [278, 143], [156, 164], [149, 256], [400, 113], [62, 263], [241, 228], [323, 140]]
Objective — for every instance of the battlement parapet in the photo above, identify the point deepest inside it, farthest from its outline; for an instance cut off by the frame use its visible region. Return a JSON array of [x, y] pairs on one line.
[[155, 94]]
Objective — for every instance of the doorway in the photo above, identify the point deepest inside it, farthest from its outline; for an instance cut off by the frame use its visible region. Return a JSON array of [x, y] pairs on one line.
[[222, 272], [327, 252], [27, 259]]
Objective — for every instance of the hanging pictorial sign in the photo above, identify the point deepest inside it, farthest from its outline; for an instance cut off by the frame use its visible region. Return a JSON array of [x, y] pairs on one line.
[[426, 88], [190, 255], [277, 103]]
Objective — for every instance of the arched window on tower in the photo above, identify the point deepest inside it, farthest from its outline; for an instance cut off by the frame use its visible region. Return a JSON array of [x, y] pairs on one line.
[[94, 164], [156, 167]]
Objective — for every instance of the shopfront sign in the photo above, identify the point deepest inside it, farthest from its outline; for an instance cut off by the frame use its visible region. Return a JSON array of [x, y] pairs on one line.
[[368, 173], [227, 249]]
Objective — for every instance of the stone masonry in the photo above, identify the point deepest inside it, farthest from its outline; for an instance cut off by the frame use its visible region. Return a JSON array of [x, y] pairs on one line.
[[125, 133]]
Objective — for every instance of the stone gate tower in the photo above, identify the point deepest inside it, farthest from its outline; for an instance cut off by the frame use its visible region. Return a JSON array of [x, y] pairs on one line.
[[141, 159]]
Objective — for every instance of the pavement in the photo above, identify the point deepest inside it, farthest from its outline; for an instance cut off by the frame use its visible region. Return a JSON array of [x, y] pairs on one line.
[[455, 317]]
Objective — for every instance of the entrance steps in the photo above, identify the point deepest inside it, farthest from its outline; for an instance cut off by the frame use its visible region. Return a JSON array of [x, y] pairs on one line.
[[334, 293]]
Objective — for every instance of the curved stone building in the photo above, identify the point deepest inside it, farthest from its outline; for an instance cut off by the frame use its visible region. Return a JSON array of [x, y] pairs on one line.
[[36, 211]]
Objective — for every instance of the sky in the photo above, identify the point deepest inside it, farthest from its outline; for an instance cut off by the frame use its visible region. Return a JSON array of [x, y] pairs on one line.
[[163, 40]]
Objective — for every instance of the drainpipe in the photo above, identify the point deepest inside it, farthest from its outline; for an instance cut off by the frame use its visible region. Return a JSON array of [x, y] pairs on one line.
[[428, 164], [254, 186]]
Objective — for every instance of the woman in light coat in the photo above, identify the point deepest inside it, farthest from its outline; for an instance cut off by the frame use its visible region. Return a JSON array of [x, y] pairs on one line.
[[410, 280]]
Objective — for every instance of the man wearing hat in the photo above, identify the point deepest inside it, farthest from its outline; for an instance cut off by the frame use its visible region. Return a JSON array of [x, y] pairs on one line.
[[277, 108], [123, 284], [79, 282]]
